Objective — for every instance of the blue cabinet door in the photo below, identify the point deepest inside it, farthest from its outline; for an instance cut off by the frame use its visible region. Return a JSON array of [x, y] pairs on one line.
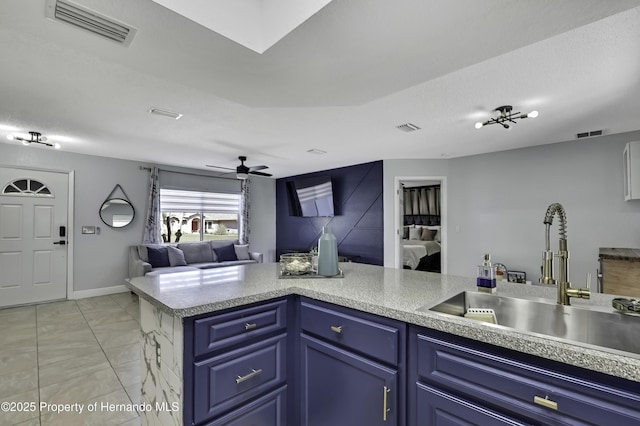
[[438, 408], [340, 388], [269, 410]]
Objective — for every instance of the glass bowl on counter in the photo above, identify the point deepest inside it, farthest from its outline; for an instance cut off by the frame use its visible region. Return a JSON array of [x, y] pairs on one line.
[[296, 263]]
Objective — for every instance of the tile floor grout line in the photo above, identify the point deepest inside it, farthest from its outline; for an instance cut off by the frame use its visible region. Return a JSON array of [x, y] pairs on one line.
[[105, 354]]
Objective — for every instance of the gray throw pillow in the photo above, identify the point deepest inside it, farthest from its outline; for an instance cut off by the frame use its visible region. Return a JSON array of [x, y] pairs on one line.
[[176, 257], [242, 251], [197, 252]]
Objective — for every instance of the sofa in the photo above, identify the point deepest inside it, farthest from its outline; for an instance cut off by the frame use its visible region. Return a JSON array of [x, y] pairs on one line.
[[157, 259]]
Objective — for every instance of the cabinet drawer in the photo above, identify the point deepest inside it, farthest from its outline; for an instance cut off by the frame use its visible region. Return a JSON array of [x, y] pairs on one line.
[[270, 409], [439, 408], [222, 330], [523, 388], [227, 380], [362, 335]]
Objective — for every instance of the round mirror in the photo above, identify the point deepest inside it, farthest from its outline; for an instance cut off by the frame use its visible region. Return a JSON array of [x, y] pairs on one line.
[[117, 213]]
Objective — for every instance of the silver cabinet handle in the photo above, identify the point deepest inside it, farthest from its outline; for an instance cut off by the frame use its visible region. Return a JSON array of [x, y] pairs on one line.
[[336, 328], [385, 410], [250, 326], [246, 377]]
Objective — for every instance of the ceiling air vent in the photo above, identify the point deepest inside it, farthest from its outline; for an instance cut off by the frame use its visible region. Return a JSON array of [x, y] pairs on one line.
[[408, 127], [103, 26], [589, 134]]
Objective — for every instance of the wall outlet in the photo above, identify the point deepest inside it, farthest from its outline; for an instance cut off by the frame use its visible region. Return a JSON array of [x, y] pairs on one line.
[[158, 353]]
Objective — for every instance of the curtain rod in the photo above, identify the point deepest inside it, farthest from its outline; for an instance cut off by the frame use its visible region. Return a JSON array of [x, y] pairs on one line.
[[186, 173]]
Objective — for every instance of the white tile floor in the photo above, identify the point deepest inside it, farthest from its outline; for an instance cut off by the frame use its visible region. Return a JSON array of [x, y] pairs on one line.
[[73, 352]]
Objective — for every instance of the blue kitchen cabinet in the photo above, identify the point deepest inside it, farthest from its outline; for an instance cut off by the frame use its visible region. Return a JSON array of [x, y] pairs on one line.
[[236, 365], [352, 367], [268, 410], [438, 408], [481, 380]]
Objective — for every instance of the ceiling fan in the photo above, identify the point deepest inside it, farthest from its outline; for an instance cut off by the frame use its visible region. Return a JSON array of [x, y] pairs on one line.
[[242, 171]]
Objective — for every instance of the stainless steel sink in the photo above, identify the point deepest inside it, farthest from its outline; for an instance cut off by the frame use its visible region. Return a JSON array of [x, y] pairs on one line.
[[611, 330]]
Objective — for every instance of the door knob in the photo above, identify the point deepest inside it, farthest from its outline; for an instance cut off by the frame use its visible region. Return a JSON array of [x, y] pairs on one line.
[[61, 242]]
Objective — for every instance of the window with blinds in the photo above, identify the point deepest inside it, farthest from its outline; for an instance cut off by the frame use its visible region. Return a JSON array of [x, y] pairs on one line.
[[199, 216]]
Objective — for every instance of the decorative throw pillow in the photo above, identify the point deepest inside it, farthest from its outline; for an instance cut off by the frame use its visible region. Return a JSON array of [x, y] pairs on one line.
[[158, 257], [242, 251], [428, 234], [415, 233], [437, 229], [142, 250], [176, 256], [226, 253], [197, 252]]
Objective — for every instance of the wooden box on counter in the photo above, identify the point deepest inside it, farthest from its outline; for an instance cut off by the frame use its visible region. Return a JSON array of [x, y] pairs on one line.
[[620, 271]]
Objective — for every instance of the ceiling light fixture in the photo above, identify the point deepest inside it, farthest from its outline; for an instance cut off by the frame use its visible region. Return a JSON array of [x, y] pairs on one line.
[[506, 115], [35, 137]]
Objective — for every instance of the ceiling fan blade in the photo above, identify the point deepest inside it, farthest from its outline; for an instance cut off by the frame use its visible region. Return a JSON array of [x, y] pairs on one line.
[[260, 174], [254, 168], [218, 167]]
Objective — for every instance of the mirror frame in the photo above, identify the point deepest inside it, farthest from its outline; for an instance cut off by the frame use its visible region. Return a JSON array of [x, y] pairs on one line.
[[103, 206]]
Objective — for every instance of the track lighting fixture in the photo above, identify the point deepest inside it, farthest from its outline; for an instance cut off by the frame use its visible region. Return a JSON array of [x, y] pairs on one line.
[[35, 137], [506, 115]]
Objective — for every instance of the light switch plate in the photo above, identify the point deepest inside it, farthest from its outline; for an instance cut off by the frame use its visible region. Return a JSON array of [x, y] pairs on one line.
[[88, 229]]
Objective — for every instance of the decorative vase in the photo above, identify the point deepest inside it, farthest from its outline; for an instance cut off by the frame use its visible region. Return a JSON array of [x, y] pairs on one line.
[[327, 254]]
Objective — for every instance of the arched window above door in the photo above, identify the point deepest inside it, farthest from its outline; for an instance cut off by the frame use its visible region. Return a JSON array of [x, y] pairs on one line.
[[27, 187]]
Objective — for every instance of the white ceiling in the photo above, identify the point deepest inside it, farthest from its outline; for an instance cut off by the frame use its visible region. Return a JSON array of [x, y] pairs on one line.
[[340, 82]]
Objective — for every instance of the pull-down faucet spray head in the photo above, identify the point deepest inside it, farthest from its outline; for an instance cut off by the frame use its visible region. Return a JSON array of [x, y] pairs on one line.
[[547, 255], [565, 292]]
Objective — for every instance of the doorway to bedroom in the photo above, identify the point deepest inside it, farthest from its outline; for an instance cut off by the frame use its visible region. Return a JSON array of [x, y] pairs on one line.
[[420, 204]]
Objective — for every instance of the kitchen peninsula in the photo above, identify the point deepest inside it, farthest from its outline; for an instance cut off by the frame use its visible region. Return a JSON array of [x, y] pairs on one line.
[[190, 324]]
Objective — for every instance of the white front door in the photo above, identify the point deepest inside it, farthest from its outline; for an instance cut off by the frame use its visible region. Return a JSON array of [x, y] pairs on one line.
[[33, 217]]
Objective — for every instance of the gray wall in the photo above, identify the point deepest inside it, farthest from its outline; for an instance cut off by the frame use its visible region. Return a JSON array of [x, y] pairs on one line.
[[496, 204], [262, 219], [100, 261]]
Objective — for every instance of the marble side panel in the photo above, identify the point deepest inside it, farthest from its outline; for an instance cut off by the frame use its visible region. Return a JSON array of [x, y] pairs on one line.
[[161, 376]]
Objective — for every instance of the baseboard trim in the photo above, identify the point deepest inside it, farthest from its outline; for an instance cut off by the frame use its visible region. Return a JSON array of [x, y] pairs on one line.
[[105, 291]]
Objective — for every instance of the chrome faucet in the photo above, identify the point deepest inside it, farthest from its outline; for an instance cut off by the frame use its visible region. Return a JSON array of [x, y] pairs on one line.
[[565, 292]]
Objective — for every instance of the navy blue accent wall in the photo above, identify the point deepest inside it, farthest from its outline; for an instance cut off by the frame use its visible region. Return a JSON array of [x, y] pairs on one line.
[[358, 220]]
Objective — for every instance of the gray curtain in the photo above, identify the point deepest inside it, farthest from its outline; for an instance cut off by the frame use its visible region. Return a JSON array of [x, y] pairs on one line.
[[243, 232], [424, 200], [152, 227]]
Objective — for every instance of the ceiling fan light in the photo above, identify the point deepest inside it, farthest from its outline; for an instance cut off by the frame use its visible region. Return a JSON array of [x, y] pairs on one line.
[[11, 137], [56, 145], [533, 114], [242, 176], [479, 125]]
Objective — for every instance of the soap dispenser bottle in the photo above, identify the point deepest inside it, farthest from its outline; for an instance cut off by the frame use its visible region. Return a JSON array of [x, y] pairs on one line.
[[486, 280], [327, 254]]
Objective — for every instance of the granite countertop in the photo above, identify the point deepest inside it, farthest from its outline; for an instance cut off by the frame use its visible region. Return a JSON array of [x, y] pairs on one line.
[[630, 254], [393, 293]]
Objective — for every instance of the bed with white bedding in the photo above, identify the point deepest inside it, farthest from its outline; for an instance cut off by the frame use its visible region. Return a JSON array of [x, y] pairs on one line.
[[414, 250]]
